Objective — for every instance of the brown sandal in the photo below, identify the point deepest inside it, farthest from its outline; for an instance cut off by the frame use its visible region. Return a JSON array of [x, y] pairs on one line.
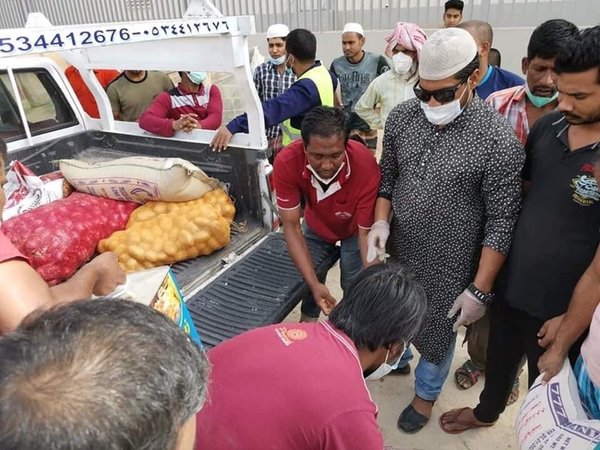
[[454, 415]]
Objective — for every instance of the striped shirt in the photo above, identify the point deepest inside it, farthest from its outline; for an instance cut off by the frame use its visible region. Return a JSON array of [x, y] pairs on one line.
[[511, 104], [269, 84]]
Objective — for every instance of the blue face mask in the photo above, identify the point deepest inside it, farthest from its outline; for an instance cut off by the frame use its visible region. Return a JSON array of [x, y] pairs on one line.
[[196, 77], [288, 69], [278, 61], [537, 101]]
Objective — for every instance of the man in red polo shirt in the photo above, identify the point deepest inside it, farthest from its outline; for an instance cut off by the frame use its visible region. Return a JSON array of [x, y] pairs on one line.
[[336, 181], [23, 290]]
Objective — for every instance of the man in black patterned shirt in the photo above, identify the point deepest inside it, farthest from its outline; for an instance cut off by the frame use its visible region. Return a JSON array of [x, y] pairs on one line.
[[451, 176], [272, 79]]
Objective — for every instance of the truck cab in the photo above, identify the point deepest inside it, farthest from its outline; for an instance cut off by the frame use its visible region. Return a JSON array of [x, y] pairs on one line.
[[251, 282]]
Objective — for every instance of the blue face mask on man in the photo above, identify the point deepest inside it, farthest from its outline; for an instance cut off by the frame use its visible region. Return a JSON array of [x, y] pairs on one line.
[[278, 61], [196, 77], [537, 101], [288, 69]]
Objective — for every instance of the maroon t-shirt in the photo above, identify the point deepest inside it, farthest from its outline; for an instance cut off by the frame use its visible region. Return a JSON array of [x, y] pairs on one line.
[[290, 386], [338, 215]]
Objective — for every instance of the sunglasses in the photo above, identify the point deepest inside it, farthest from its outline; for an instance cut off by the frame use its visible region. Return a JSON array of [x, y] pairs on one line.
[[441, 95]]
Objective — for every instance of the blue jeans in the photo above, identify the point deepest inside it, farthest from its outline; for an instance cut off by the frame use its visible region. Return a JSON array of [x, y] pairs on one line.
[[429, 378], [350, 265]]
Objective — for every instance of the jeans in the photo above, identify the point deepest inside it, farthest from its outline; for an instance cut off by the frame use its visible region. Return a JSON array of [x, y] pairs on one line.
[[350, 265], [429, 378]]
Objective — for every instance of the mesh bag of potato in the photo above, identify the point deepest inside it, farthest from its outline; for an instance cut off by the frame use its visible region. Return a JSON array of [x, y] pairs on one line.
[[162, 233]]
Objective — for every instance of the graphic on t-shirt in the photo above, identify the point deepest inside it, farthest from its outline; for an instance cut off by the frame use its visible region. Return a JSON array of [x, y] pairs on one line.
[[288, 337], [586, 189]]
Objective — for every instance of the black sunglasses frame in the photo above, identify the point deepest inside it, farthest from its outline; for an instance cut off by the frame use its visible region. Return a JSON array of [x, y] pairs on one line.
[[442, 96]]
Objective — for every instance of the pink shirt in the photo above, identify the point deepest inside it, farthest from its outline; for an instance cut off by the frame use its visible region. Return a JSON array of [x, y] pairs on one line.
[[590, 350], [7, 250], [290, 386]]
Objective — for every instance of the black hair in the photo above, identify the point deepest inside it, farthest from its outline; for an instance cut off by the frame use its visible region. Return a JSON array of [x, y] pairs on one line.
[[454, 4], [324, 121], [494, 57], [465, 72], [547, 39], [580, 53], [302, 44], [101, 374], [383, 306], [3, 152]]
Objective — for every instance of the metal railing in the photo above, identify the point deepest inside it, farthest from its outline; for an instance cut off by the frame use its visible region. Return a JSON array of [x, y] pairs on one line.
[[316, 15]]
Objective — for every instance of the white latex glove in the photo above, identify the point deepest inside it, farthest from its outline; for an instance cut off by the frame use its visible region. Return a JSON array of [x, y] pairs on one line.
[[376, 240], [471, 310]]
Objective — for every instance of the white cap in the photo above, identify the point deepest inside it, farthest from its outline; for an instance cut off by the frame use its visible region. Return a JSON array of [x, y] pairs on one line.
[[445, 53], [278, 30], [353, 27]]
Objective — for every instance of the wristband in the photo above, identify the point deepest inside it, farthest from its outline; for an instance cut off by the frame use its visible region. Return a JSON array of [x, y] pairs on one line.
[[484, 298]]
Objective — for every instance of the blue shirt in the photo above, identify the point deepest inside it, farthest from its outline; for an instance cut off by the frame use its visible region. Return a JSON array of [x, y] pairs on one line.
[[293, 104], [499, 79]]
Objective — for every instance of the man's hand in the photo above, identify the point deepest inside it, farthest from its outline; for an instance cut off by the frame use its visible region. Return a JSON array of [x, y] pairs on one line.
[[186, 123], [551, 362], [323, 298], [376, 240], [221, 139], [108, 273], [548, 332], [471, 310]]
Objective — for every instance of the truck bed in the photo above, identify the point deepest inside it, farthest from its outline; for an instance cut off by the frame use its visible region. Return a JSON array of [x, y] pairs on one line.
[[259, 289]]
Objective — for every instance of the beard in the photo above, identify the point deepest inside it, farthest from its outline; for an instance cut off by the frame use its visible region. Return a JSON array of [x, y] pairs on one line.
[[574, 119]]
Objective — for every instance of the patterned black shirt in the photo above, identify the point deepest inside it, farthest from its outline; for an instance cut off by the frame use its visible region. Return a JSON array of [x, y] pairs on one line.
[[453, 190]]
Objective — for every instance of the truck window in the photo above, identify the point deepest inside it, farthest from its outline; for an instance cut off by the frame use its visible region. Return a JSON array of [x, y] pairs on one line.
[[46, 108]]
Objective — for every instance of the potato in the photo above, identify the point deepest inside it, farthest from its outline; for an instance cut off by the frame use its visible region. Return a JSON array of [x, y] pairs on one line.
[[182, 231], [217, 198]]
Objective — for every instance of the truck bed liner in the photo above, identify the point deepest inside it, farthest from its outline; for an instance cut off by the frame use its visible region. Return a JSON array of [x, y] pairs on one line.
[[259, 290]]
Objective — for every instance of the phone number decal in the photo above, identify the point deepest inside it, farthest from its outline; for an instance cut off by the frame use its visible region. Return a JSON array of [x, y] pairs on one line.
[[25, 41]]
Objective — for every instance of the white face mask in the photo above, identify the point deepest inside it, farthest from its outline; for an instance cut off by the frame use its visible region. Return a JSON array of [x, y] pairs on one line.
[[444, 114], [385, 368], [323, 180], [401, 63]]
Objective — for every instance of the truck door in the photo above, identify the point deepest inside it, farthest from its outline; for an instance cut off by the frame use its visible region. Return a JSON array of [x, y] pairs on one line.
[[33, 108]]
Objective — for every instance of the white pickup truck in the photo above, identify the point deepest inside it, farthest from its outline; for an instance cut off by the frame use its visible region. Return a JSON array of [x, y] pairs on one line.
[[252, 282]]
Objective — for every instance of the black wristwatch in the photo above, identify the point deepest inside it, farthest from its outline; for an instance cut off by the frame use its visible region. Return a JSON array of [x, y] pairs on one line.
[[484, 298]]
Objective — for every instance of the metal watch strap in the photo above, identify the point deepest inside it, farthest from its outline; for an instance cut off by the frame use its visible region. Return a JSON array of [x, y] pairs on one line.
[[484, 298]]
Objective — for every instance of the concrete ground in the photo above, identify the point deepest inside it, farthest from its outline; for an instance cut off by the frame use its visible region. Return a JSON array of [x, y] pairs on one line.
[[393, 393]]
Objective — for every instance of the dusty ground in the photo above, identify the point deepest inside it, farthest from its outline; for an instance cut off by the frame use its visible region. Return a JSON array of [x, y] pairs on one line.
[[393, 393]]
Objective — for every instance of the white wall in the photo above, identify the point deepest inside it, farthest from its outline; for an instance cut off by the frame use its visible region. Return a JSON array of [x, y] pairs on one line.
[[512, 43]]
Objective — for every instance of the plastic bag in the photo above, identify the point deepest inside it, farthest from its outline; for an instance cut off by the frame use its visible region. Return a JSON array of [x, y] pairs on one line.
[[60, 237], [25, 191]]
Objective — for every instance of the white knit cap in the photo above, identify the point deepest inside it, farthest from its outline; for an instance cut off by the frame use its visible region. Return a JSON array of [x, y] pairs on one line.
[[353, 27], [445, 53], [278, 30]]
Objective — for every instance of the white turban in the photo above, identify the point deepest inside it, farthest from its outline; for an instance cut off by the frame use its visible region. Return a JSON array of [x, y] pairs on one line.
[[445, 53]]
